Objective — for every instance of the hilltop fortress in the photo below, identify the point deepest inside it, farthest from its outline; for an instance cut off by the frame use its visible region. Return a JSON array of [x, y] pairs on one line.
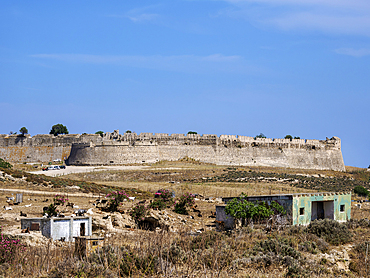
[[117, 149]]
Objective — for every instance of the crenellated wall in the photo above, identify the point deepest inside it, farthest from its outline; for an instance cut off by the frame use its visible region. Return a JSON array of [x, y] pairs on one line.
[[114, 148]]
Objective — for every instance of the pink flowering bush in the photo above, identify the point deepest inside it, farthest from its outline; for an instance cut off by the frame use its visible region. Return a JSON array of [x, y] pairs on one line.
[[138, 212], [60, 199], [165, 195], [116, 198], [9, 248], [162, 199], [182, 203]]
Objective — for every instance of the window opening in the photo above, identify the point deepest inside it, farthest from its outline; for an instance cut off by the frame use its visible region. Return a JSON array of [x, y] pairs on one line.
[[342, 207]]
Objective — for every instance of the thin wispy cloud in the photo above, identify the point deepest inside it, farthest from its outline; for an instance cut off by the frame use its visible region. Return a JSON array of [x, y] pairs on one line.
[[338, 17], [141, 14], [143, 17], [183, 63], [353, 52]]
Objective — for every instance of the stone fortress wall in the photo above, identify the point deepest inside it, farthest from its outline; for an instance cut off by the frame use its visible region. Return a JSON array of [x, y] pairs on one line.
[[117, 149]]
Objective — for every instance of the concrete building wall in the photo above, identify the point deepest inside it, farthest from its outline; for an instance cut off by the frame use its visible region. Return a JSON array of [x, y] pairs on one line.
[[301, 208], [331, 206], [284, 200], [58, 228]]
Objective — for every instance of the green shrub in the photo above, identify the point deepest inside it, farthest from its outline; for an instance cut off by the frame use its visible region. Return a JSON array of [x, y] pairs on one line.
[[138, 212], [332, 231], [157, 204], [164, 194], [361, 191], [240, 208], [51, 210], [4, 164], [278, 246], [182, 203], [9, 248], [116, 198], [60, 199]]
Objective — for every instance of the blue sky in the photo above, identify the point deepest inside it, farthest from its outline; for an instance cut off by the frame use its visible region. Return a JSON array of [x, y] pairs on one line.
[[242, 67]]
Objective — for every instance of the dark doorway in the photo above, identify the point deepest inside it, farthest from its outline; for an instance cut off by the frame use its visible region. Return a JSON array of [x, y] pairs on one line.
[[82, 229], [320, 210]]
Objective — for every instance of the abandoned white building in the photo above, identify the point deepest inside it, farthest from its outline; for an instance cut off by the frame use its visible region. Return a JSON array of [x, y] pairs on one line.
[[60, 228]]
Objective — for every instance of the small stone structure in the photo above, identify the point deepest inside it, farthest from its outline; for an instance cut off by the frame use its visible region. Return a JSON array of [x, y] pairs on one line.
[[59, 228], [85, 245], [118, 149], [301, 208]]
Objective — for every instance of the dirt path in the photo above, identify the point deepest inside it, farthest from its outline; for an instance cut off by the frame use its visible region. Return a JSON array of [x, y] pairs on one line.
[[48, 193]]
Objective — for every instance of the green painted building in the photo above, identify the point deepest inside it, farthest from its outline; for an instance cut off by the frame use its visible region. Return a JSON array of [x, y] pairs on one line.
[[301, 208], [311, 206]]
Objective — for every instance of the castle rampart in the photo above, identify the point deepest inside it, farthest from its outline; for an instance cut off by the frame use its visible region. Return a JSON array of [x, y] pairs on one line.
[[114, 148]]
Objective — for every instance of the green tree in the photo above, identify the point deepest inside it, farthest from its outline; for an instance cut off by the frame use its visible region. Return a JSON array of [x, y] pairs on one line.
[[261, 135], [243, 210], [297, 137], [128, 131], [23, 131], [101, 133], [290, 137], [58, 129], [361, 191], [192, 132]]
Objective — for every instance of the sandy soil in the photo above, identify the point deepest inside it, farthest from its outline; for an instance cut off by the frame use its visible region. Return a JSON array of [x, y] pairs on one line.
[[85, 169]]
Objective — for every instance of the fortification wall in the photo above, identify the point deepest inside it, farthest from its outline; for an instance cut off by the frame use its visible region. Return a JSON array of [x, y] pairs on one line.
[[42, 147], [114, 148]]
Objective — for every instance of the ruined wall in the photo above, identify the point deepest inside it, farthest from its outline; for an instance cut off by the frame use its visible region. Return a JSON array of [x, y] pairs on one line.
[[223, 150], [114, 148], [40, 148]]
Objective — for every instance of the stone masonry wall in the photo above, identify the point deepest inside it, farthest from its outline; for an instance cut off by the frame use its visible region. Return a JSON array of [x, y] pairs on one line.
[[114, 148]]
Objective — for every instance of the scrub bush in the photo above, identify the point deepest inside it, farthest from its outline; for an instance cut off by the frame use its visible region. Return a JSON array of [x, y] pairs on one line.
[[9, 248], [185, 201], [116, 198], [361, 191], [157, 204], [332, 231], [139, 212], [60, 199], [4, 164]]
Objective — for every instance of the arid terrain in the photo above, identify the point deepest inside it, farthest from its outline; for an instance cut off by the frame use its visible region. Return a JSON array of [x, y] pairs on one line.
[[177, 245]]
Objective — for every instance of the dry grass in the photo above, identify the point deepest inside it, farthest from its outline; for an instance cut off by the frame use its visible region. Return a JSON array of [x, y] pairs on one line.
[[242, 253], [141, 253]]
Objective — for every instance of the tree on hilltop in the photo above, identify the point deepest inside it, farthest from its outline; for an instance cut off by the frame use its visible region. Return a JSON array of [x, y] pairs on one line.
[[101, 133], [261, 135], [290, 137], [192, 132], [23, 131], [58, 129]]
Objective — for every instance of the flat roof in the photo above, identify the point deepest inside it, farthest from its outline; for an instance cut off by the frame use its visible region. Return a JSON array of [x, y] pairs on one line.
[[56, 218], [294, 195]]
